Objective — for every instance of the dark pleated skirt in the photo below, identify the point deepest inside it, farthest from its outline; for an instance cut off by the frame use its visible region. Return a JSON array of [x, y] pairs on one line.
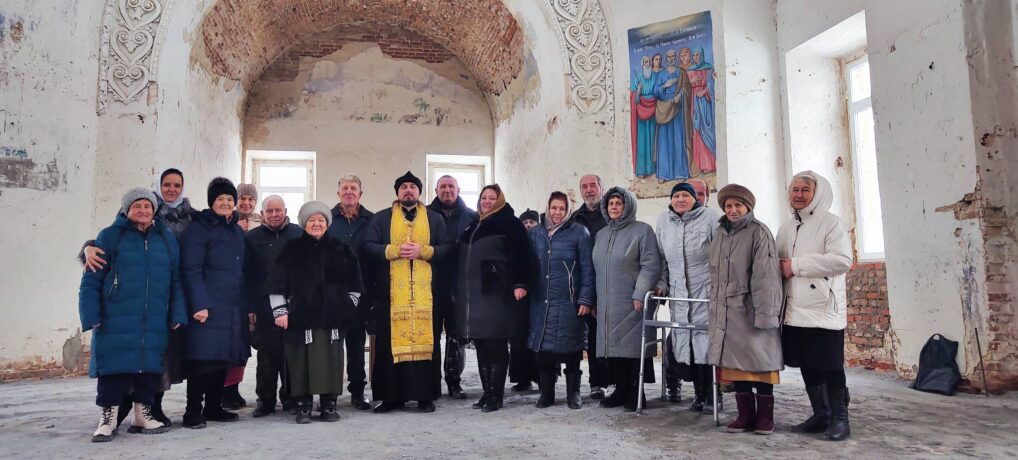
[[813, 348]]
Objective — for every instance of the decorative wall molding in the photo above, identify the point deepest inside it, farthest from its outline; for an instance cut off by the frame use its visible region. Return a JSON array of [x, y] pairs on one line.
[[583, 33], [129, 53]]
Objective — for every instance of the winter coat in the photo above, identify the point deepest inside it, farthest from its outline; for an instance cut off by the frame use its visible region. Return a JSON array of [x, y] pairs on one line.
[[456, 221], [745, 298], [594, 221], [212, 264], [684, 242], [262, 247], [817, 243], [494, 260], [353, 233], [564, 280], [627, 263], [176, 219], [134, 299], [317, 278]]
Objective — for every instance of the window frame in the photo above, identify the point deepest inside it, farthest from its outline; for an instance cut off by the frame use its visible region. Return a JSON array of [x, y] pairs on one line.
[[853, 108], [308, 190]]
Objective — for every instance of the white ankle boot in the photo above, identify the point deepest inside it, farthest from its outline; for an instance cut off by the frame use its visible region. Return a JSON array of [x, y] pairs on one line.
[[144, 422], [107, 424]]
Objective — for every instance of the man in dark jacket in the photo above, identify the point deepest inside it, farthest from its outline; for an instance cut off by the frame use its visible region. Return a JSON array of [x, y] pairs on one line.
[[349, 224], [457, 217], [263, 245], [589, 215]]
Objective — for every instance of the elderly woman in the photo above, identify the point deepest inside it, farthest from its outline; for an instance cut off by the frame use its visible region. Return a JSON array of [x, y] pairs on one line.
[[213, 260], [745, 310], [314, 290], [563, 295], [684, 234], [131, 304], [815, 254], [494, 269], [248, 219], [628, 265]]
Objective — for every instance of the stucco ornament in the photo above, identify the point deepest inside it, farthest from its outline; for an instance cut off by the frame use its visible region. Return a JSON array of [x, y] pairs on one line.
[[584, 37], [129, 50]]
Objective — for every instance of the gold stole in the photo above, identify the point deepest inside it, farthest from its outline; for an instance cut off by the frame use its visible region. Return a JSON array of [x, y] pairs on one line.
[[410, 288]]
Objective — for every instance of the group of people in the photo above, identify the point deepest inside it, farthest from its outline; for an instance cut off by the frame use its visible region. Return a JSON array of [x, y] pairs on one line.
[[173, 294]]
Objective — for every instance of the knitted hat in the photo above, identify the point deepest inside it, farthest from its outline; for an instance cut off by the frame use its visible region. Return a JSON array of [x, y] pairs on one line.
[[408, 177], [221, 186], [311, 208], [136, 194], [685, 187], [530, 214], [248, 189], [739, 193]]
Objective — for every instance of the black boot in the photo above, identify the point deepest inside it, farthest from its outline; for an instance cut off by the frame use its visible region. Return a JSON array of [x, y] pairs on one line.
[[497, 387], [386, 406], [547, 397], [573, 390], [214, 411], [157, 411], [328, 408], [618, 397], [708, 404], [359, 401], [485, 375], [630, 404], [674, 393], [231, 398], [126, 405], [456, 391], [193, 417], [264, 408], [699, 398], [817, 423], [838, 429], [303, 411]]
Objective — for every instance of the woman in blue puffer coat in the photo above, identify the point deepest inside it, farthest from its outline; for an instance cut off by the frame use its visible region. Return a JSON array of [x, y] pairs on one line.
[[212, 266], [564, 294], [126, 304]]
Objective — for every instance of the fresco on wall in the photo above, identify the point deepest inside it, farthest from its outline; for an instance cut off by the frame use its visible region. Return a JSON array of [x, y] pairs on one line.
[[671, 97]]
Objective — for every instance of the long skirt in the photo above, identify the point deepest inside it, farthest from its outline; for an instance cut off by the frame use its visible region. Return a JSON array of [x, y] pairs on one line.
[[315, 368]]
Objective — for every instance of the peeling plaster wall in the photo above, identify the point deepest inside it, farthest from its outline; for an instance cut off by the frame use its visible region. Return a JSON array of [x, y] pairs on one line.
[[925, 154], [368, 114], [47, 149]]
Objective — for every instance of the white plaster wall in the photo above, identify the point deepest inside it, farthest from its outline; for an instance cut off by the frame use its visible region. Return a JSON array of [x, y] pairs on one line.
[[924, 152], [368, 114], [47, 107]]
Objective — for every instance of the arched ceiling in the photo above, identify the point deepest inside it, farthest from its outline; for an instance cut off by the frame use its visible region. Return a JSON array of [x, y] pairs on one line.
[[242, 37]]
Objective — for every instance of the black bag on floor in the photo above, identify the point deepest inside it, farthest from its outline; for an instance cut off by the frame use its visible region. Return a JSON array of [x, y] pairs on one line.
[[938, 370]]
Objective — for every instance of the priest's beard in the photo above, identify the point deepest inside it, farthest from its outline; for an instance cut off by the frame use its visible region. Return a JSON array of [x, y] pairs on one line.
[[408, 202]]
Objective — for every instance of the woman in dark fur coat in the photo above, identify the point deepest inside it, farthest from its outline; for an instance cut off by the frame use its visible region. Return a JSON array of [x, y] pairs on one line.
[[494, 258], [314, 290]]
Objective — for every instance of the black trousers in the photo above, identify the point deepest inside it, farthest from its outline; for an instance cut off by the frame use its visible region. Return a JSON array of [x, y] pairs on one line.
[[549, 362], [599, 375], [522, 362], [356, 337], [455, 361], [111, 390], [271, 366]]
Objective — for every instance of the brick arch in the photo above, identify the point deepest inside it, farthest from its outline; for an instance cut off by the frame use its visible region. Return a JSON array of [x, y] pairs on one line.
[[243, 37]]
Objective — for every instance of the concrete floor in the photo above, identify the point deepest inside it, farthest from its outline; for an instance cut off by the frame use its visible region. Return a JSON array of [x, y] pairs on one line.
[[55, 418]]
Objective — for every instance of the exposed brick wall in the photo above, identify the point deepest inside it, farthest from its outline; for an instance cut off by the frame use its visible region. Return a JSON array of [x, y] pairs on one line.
[[242, 37], [1000, 339], [869, 319], [395, 42], [39, 369]]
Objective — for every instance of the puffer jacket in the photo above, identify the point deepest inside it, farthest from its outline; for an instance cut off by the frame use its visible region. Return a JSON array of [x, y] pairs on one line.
[[134, 299], [817, 243], [627, 264], [745, 299], [212, 263], [684, 242], [564, 281]]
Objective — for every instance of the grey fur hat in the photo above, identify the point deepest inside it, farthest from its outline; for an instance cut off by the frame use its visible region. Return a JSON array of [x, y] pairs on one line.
[[136, 194], [311, 208]]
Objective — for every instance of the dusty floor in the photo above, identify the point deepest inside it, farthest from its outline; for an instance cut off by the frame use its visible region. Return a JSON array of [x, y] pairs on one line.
[[55, 418]]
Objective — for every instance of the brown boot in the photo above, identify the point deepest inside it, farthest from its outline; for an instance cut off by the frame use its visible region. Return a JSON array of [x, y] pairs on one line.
[[746, 403], [764, 414]]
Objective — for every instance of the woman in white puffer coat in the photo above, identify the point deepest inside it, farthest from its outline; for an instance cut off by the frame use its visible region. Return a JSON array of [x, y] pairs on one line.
[[816, 253]]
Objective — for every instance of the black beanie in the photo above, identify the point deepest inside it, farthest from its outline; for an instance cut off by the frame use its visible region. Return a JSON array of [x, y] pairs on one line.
[[221, 186], [530, 214], [408, 177]]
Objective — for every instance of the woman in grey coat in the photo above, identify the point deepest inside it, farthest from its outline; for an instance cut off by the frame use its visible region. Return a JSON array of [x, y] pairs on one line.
[[684, 233], [627, 264], [745, 310]]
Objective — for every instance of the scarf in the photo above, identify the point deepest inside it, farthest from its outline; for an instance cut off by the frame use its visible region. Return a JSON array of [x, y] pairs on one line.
[[410, 288], [180, 199], [552, 228], [499, 204]]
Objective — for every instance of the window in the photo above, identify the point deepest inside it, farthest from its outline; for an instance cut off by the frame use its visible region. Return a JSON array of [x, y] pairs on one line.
[[869, 227], [293, 180], [470, 172]]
